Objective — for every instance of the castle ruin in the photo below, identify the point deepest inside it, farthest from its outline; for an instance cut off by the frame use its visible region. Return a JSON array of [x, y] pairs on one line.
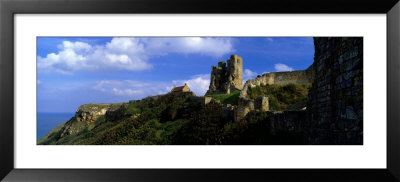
[[226, 79]]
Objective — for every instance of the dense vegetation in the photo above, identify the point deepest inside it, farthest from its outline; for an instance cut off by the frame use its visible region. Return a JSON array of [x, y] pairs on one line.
[[170, 119], [292, 96]]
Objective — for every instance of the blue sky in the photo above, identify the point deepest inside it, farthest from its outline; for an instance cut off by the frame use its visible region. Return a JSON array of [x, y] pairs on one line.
[[78, 70]]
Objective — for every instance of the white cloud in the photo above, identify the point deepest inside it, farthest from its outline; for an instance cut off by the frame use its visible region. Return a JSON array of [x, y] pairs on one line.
[[215, 47], [128, 91], [78, 46], [282, 67], [198, 83], [127, 53], [124, 88], [132, 88], [118, 54], [248, 74]]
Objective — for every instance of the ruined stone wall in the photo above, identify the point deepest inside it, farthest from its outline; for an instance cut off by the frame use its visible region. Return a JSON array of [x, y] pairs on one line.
[[335, 101], [245, 105], [286, 121], [261, 103], [226, 79], [301, 76], [217, 79]]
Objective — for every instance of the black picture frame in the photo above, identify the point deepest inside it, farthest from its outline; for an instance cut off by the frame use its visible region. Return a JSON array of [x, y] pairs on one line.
[[8, 8]]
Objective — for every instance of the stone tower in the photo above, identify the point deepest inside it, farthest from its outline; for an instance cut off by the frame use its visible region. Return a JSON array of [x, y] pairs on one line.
[[235, 73], [226, 78]]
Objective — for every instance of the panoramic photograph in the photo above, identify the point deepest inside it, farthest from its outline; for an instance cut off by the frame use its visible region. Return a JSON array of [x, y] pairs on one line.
[[199, 91]]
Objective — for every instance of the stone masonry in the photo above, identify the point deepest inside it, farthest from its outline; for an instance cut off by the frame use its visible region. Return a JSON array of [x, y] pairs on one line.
[[246, 105], [226, 78], [334, 112], [261, 103], [335, 101], [300, 76]]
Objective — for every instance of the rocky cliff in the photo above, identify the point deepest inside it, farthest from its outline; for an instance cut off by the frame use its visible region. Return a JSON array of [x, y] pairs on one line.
[[88, 113], [91, 112]]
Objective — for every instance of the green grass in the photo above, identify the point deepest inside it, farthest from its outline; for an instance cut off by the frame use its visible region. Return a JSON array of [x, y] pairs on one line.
[[132, 108], [116, 106], [290, 96], [89, 107], [231, 98]]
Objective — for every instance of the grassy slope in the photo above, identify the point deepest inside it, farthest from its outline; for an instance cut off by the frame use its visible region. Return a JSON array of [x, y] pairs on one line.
[[290, 96], [50, 138], [231, 98], [148, 121], [88, 107]]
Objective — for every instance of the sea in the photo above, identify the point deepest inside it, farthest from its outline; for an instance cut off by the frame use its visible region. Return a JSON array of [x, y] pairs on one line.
[[48, 120]]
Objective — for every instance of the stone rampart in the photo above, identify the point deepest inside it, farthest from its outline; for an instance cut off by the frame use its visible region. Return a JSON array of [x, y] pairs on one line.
[[335, 101], [301, 76]]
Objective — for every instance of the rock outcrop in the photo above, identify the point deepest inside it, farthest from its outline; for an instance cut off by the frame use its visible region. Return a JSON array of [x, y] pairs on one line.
[[86, 114], [226, 78], [91, 112]]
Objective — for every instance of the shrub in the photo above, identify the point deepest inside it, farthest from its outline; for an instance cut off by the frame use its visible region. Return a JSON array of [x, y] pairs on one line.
[[282, 96]]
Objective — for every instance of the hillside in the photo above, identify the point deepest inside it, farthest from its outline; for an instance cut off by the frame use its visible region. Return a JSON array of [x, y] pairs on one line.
[[292, 96], [167, 119]]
